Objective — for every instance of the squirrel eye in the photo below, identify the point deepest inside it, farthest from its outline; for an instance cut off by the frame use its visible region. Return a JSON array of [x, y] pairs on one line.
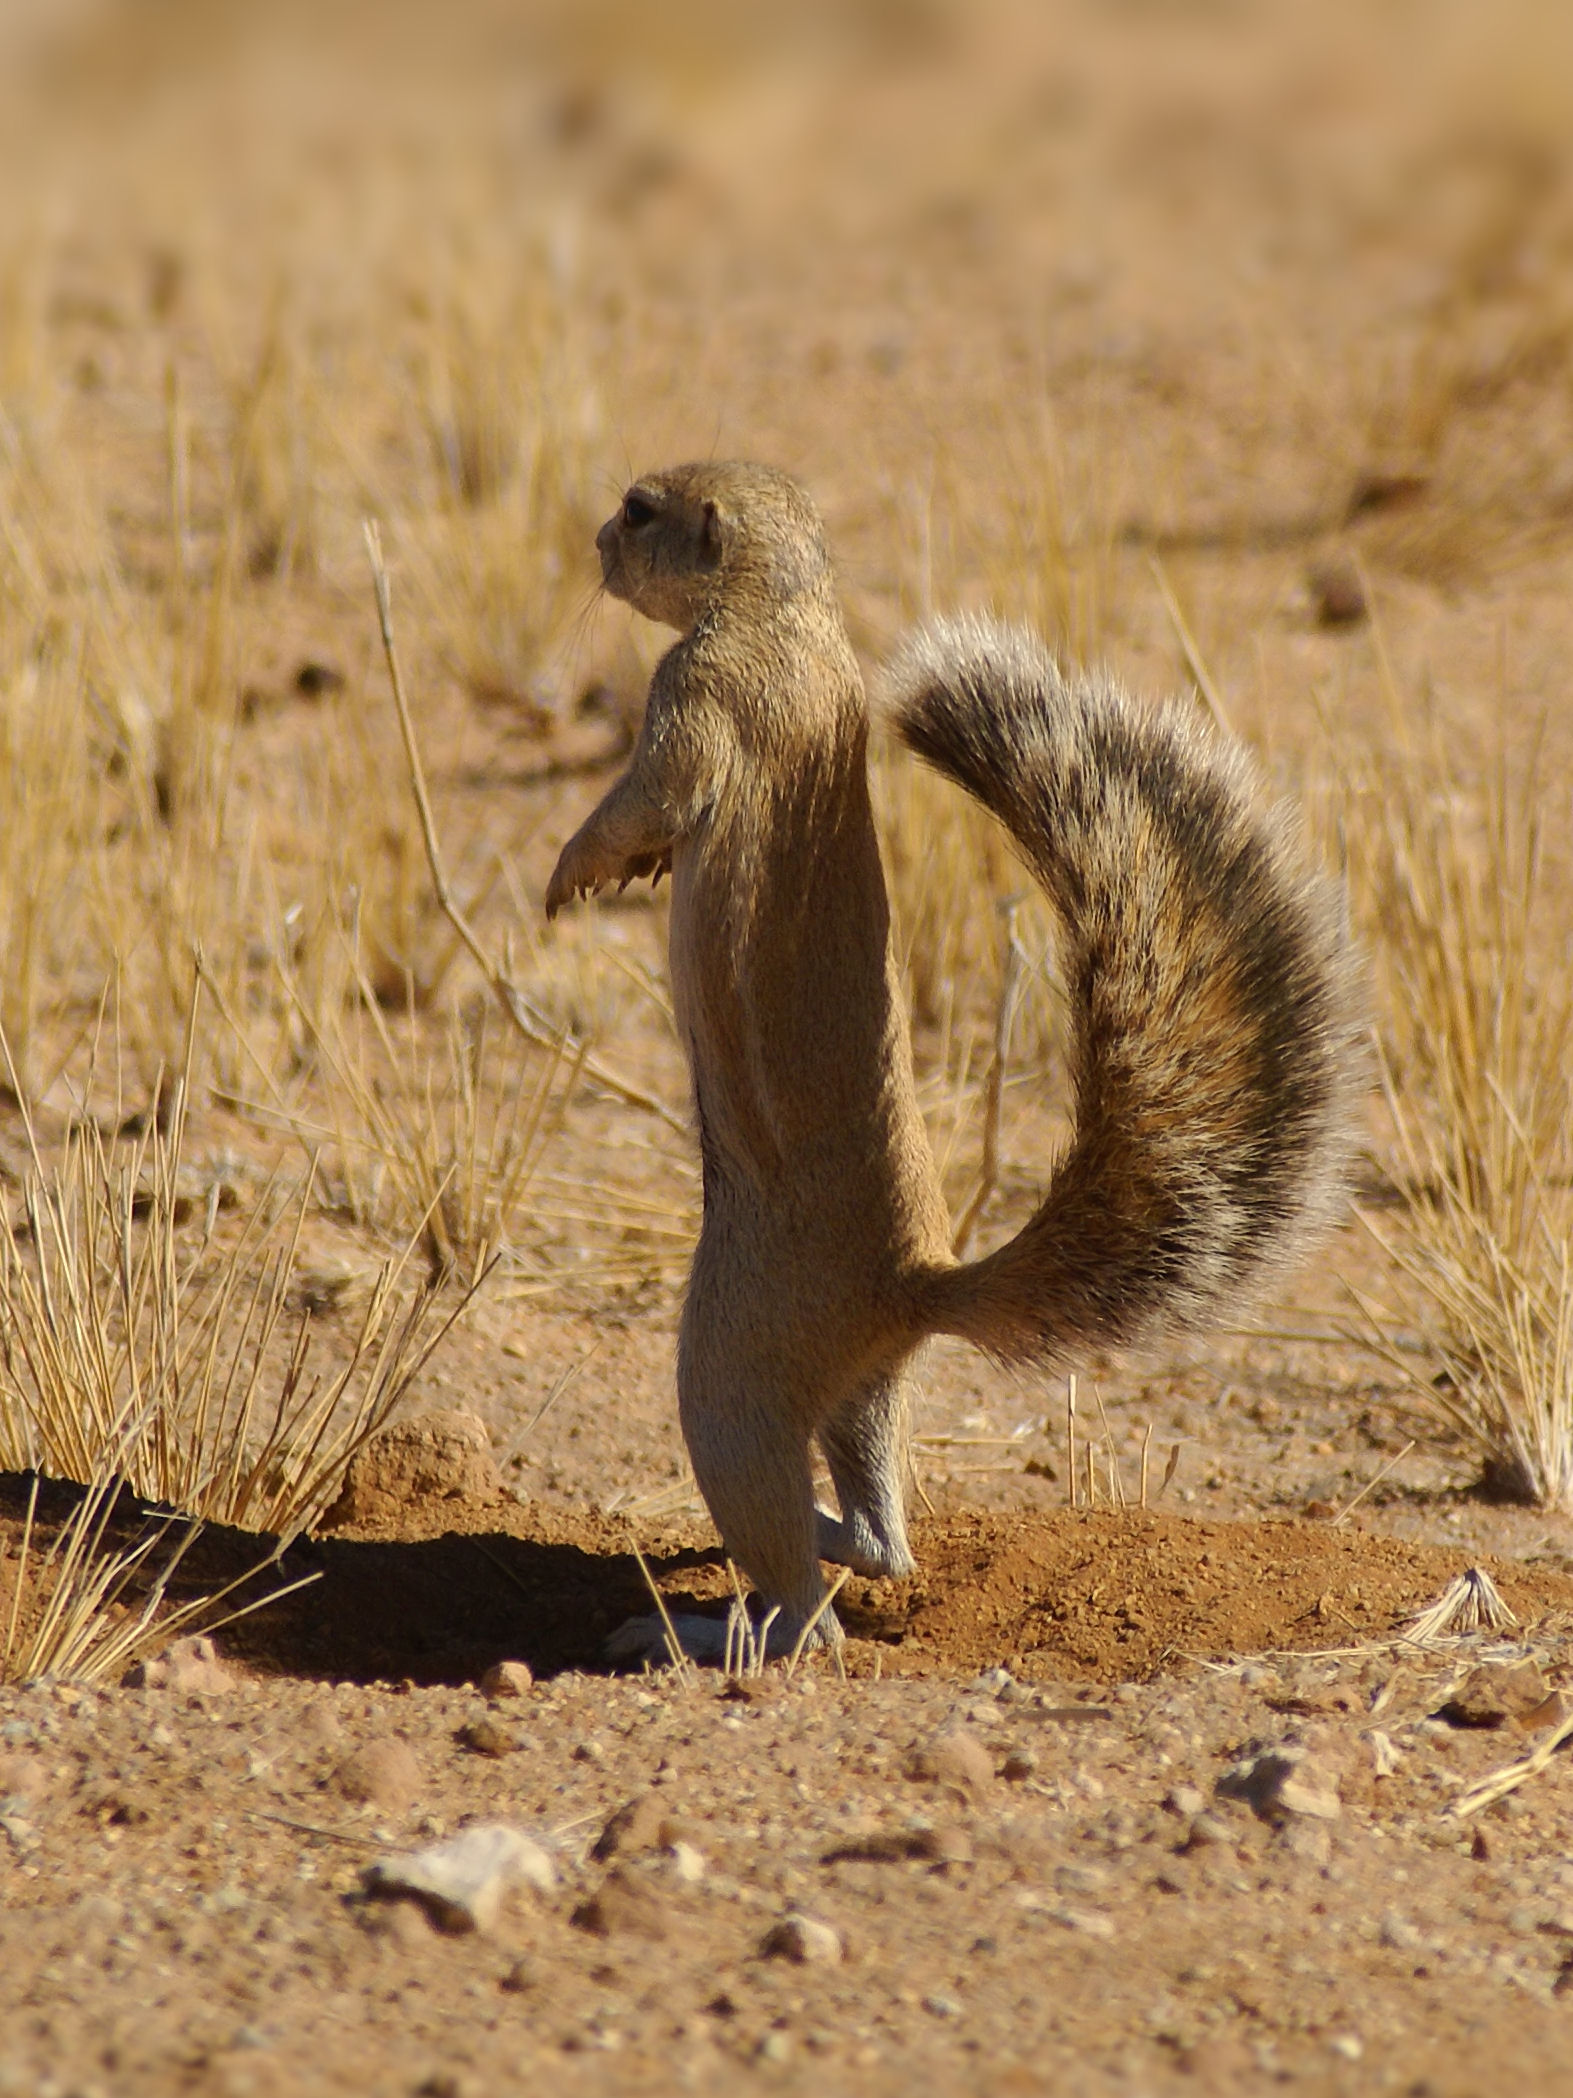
[[637, 510]]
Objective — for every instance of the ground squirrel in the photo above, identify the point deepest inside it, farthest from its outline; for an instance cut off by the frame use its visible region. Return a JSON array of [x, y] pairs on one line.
[[1213, 1027]]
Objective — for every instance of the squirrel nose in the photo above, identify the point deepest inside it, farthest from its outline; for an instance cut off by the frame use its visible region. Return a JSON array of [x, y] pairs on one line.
[[603, 538]]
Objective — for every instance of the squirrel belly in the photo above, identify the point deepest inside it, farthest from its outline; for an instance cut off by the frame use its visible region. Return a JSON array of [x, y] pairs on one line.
[[1215, 1059]]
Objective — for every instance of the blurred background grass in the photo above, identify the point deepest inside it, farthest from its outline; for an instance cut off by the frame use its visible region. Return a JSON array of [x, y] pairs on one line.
[[1229, 341]]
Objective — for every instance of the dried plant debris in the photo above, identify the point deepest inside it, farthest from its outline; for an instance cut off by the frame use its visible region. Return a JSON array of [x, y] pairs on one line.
[[1472, 1603]]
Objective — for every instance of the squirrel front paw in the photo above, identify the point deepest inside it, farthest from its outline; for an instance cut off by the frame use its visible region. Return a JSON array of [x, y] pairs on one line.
[[582, 869]]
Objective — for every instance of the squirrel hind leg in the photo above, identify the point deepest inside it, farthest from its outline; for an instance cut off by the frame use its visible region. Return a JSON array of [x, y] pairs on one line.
[[748, 1443], [865, 1445]]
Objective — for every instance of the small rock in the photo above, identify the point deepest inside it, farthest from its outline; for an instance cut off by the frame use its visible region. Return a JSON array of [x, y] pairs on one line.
[[776, 2046], [1278, 1782], [1310, 1841], [442, 1456], [488, 1737], [522, 1976], [803, 1939], [401, 1924], [1019, 1765], [189, 1666], [1091, 1923], [120, 1806], [956, 1758], [1185, 1800], [461, 1883], [1492, 1694], [1398, 1933], [589, 1751], [998, 1682], [1337, 593], [934, 1846], [508, 1679], [449, 2083], [381, 1774], [942, 2006], [22, 1779], [314, 680], [319, 1724], [643, 1823], [1206, 1829], [688, 1864], [624, 1907], [634, 1827]]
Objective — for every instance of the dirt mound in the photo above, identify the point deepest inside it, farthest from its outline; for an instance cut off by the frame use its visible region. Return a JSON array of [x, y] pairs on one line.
[[442, 1456], [1108, 1596], [1124, 1595]]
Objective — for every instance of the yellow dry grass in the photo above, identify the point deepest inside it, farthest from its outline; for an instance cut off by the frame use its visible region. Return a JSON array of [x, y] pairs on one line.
[[334, 278]]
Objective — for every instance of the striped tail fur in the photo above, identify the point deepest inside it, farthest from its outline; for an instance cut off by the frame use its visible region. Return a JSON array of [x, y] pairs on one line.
[[1215, 1024]]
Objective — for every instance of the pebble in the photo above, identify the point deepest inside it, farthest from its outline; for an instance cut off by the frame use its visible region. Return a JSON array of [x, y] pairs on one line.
[[1491, 1695], [1001, 1684], [1337, 593], [22, 1779], [1019, 1765], [942, 2006], [488, 1737], [508, 1679], [380, 1774], [956, 1758], [1310, 1841], [891, 1846], [319, 1724], [1279, 1782], [644, 1823], [1091, 1923], [688, 1864], [803, 1939], [189, 1665], [462, 1883], [623, 1907]]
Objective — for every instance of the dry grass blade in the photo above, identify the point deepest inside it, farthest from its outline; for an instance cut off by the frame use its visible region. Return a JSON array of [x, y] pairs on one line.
[[807, 1633], [1508, 1779], [681, 1661], [1471, 1603], [507, 993], [96, 1608]]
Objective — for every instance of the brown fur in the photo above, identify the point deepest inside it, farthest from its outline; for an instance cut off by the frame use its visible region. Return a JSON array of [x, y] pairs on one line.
[[1213, 1050]]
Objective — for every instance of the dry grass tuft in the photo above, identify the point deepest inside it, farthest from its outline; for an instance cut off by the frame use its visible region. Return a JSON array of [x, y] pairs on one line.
[[1477, 1063], [138, 1345]]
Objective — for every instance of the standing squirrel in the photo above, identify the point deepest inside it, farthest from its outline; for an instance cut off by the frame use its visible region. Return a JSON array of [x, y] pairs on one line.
[[1213, 1022]]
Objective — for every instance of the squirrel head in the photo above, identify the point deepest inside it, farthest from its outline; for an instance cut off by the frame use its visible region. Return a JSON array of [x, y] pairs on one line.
[[686, 539]]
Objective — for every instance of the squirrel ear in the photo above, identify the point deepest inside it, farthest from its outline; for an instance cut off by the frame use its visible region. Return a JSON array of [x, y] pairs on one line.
[[712, 534]]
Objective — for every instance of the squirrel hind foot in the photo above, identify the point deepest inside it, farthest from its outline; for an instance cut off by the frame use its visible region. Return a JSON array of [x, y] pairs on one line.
[[646, 1642]]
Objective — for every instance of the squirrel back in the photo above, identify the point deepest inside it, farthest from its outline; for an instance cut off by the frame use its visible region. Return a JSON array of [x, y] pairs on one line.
[[1215, 1028]]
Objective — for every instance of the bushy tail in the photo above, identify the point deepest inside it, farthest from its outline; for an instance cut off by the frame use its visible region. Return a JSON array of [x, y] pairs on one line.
[[1215, 1026]]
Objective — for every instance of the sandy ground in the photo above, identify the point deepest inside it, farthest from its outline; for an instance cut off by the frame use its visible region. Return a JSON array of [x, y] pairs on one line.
[[1236, 290]]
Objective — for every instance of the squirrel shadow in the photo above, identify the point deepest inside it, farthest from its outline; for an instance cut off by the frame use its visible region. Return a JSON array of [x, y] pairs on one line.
[[439, 1610]]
